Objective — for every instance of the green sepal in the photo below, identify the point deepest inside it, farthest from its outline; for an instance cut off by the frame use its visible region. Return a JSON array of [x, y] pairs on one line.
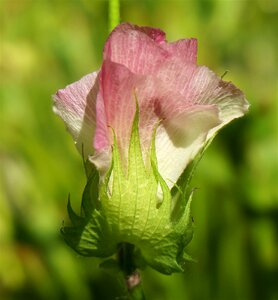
[[125, 207], [74, 218], [90, 238], [90, 197], [89, 234]]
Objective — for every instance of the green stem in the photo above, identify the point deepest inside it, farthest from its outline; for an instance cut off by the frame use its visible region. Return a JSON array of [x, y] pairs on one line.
[[114, 13], [132, 279]]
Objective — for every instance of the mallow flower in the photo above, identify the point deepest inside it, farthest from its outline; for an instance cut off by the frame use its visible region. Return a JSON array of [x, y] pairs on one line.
[[138, 122]]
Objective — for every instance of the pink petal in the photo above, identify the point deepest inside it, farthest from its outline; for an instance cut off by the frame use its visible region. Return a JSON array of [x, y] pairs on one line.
[[159, 103], [75, 104], [190, 101], [192, 109], [101, 138], [199, 85], [185, 50], [206, 104], [137, 48], [115, 105], [156, 102]]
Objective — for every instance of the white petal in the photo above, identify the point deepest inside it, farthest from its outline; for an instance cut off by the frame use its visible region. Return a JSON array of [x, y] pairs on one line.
[[102, 161], [179, 139], [75, 104]]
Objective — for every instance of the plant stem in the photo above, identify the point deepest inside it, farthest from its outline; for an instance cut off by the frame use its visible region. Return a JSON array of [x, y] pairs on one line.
[[132, 278], [114, 13]]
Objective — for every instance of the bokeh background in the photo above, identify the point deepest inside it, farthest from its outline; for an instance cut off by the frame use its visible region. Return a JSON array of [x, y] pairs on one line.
[[45, 45]]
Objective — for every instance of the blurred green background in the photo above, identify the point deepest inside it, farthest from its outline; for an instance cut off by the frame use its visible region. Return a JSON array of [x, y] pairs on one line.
[[46, 45]]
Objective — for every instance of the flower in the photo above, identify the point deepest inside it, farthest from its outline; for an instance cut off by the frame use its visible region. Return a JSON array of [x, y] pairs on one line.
[[141, 119]]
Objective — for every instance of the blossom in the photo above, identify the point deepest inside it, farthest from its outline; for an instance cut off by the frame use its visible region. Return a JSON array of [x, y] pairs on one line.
[[141, 119]]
